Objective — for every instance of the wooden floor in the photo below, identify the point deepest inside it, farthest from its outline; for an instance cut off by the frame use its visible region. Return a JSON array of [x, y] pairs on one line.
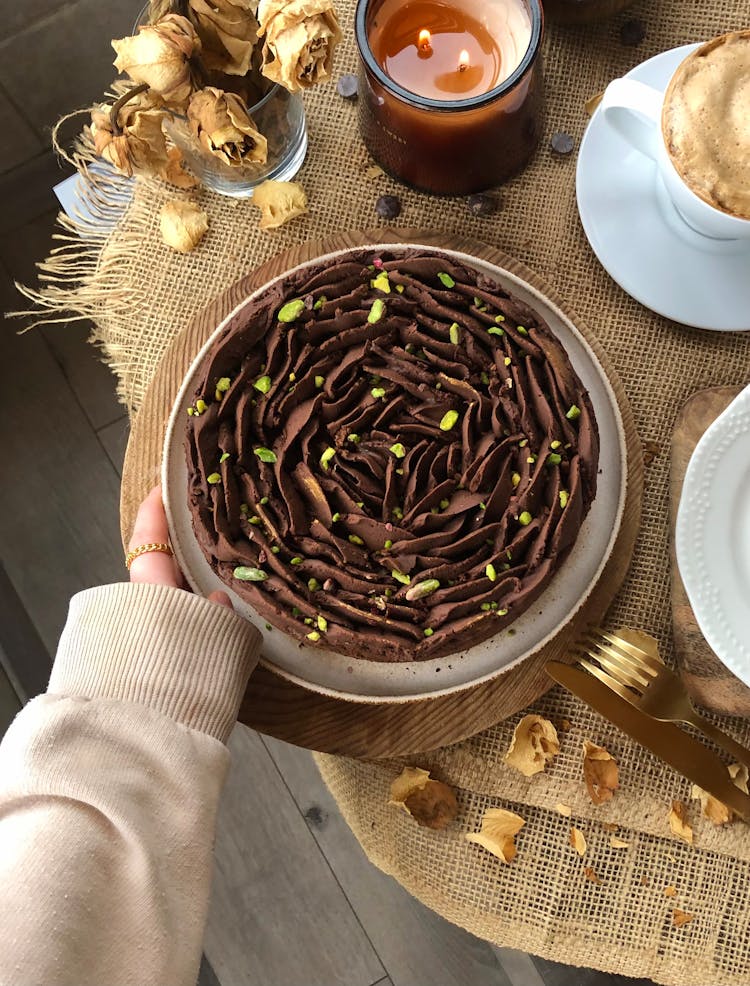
[[295, 902]]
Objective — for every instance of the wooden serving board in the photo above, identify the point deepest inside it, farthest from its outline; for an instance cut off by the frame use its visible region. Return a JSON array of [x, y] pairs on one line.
[[709, 682], [288, 711]]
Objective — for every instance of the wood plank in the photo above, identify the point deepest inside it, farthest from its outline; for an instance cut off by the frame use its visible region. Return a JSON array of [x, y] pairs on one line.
[[277, 917], [23, 656], [555, 974], [26, 191], [59, 525], [92, 382], [416, 946], [114, 439], [519, 967]]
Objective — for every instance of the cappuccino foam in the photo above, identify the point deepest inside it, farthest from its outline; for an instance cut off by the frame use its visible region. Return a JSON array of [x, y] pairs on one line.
[[706, 122]]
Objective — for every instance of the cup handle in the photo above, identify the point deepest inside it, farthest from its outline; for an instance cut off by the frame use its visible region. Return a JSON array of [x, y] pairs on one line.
[[634, 110]]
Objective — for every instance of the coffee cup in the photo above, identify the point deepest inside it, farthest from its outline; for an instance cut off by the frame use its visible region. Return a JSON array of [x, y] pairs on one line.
[[697, 132]]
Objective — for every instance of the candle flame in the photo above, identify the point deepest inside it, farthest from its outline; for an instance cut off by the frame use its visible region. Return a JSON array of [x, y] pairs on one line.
[[463, 60], [425, 40]]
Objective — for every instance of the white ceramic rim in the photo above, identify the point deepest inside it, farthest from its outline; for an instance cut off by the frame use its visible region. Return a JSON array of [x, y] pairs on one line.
[[708, 542], [400, 683]]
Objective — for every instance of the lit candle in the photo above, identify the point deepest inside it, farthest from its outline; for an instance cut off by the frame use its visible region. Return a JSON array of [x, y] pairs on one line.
[[451, 94]]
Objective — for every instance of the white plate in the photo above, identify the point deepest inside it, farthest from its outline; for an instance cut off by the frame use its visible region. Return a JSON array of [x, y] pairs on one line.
[[713, 535], [640, 240], [367, 681]]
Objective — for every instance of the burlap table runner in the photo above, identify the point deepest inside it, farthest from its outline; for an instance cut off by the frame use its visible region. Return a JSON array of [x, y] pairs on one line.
[[139, 295]]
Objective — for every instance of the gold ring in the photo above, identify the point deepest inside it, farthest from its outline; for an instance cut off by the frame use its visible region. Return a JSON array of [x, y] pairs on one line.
[[144, 549]]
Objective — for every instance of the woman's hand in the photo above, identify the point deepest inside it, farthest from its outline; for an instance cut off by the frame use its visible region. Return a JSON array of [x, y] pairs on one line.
[[155, 566]]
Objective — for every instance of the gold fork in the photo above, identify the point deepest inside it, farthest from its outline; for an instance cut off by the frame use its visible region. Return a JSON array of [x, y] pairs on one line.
[[643, 679]]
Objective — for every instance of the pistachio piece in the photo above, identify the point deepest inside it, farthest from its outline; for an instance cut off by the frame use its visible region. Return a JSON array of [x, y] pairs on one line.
[[313, 585], [314, 636], [296, 560], [191, 411], [401, 577], [377, 311], [400, 288], [555, 444], [554, 459], [495, 330], [320, 302], [484, 378], [291, 310], [422, 589], [499, 318], [263, 384], [448, 420], [378, 392], [326, 457], [336, 517], [265, 454], [388, 545], [322, 623], [247, 574], [355, 539], [573, 412], [381, 282], [563, 498], [522, 329], [455, 333], [224, 457], [525, 518], [201, 406], [398, 450], [214, 478], [428, 631], [353, 438], [515, 478], [446, 280], [444, 504], [319, 381], [491, 573]]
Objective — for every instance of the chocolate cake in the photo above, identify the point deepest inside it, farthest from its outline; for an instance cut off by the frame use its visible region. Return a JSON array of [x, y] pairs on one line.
[[389, 456]]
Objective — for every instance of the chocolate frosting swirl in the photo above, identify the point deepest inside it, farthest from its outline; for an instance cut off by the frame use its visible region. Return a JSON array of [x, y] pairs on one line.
[[389, 455]]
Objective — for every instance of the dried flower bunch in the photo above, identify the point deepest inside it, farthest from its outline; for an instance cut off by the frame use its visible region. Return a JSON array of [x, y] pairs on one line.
[[207, 60]]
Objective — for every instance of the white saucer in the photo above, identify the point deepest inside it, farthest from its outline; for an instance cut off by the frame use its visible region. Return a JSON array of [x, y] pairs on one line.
[[712, 535], [640, 240]]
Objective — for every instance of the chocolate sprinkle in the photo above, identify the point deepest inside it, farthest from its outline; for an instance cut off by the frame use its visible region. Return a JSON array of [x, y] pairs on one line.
[[562, 143], [632, 32], [348, 86], [388, 206], [383, 556]]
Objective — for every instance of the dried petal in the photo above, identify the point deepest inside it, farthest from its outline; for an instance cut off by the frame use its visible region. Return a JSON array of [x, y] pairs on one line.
[[497, 835], [533, 745], [159, 55], [670, 891], [431, 803], [279, 201], [577, 841], [679, 823], [618, 843], [182, 225], [299, 38], [715, 810], [600, 772], [590, 873], [564, 809], [221, 123], [680, 917], [228, 31]]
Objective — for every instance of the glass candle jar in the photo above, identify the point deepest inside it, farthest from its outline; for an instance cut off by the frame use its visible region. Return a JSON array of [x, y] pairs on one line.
[[458, 143]]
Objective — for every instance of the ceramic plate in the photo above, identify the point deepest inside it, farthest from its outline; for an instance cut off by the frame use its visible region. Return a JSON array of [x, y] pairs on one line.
[[332, 673], [713, 535], [639, 238]]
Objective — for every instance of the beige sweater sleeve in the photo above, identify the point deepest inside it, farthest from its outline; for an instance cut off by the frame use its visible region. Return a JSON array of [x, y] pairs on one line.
[[109, 785]]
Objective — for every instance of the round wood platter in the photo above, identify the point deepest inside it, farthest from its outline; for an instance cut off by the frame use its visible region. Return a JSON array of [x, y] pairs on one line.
[[288, 711]]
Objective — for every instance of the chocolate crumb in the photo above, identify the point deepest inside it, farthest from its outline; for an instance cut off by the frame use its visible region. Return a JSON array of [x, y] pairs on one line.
[[388, 206], [483, 203], [561, 143], [348, 86], [632, 32]]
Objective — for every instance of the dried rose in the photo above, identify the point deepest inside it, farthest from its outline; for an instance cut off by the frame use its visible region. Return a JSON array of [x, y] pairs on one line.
[[499, 829], [299, 38], [600, 772], [159, 55], [228, 31], [715, 810], [182, 225], [678, 822], [134, 143], [680, 917], [220, 121], [533, 745], [279, 201], [577, 840], [431, 803]]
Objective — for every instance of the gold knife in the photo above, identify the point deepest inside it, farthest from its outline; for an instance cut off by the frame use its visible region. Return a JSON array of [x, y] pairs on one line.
[[680, 750]]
